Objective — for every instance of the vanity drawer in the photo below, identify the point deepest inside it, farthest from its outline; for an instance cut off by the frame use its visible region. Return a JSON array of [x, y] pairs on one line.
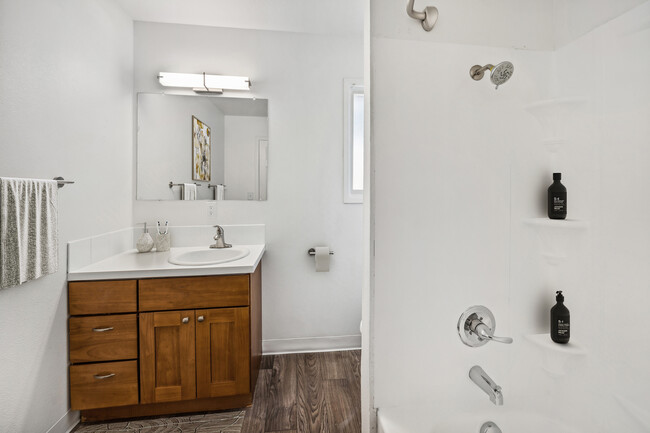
[[215, 291], [103, 338], [106, 384], [102, 297]]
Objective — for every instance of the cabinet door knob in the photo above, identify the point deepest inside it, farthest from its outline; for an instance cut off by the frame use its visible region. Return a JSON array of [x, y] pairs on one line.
[[186, 320], [201, 318]]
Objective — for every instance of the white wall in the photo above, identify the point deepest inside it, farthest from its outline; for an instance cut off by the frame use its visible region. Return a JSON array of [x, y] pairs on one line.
[[442, 208], [241, 149], [452, 205], [338, 17], [164, 151], [66, 82], [575, 18], [610, 157], [302, 77]]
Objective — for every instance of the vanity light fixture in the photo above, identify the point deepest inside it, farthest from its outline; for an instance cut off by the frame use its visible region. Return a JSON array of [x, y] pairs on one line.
[[204, 83]]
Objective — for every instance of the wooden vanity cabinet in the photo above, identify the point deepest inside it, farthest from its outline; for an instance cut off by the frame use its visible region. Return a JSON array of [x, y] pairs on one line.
[[197, 341]]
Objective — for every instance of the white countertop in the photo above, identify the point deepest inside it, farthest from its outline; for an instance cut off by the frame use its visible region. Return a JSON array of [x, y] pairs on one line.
[[131, 264]]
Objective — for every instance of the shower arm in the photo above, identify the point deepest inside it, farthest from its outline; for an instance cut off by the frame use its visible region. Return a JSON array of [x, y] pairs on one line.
[[477, 71], [412, 13], [428, 17]]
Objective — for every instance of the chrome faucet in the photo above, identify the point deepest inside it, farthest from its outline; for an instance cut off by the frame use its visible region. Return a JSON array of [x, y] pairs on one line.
[[218, 239], [480, 377]]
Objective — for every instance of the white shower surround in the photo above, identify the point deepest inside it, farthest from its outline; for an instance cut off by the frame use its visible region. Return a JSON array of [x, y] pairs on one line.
[[461, 172]]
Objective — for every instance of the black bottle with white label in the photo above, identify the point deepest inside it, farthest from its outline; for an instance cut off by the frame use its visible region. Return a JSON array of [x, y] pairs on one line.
[[560, 321], [557, 198]]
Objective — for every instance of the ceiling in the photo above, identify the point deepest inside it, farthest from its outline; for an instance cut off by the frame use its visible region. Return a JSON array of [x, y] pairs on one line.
[[330, 17]]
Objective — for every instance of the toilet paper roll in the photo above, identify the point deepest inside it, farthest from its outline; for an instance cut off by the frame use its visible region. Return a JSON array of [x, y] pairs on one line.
[[322, 258]]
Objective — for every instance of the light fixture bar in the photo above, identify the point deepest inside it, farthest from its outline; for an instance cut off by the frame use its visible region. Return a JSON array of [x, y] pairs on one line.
[[204, 82]]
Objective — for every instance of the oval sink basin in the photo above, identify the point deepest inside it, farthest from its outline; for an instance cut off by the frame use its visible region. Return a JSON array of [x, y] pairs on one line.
[[208, 256]]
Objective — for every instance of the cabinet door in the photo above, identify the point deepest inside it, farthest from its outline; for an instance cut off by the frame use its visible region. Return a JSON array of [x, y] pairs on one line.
[[167, 356], [222, 352]]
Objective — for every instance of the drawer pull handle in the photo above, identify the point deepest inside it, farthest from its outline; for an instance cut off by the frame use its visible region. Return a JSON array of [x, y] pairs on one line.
[[201, 319], [105, 376], [186, 320], [110, 328]]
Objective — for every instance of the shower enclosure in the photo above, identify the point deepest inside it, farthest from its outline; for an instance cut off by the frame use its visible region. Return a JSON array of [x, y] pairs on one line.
[[458, 216]]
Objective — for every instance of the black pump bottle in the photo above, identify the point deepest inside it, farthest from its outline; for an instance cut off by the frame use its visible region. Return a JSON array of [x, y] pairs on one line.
[[560, 326], [557, 198]]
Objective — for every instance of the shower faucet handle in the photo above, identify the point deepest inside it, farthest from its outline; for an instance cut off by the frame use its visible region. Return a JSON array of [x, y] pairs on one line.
[[484, 332], [476, 327]]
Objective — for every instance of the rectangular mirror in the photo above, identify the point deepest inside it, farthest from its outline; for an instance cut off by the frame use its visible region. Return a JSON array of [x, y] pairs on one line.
[[219, 144]]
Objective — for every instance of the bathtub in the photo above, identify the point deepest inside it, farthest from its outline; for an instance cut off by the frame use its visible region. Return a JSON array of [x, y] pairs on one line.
[[423, 420]]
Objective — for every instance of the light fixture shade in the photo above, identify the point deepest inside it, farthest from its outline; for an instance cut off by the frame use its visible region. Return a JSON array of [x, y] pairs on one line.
[[174, 79]]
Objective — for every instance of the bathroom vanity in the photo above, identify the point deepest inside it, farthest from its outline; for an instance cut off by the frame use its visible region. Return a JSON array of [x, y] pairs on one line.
[[161, 344]]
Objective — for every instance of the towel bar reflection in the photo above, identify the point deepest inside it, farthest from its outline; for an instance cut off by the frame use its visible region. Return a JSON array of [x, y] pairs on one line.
[[172, 184], [61, 182], [312, 252]]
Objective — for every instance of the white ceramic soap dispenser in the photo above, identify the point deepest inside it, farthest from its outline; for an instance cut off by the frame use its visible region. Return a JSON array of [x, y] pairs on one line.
[[145, 242]]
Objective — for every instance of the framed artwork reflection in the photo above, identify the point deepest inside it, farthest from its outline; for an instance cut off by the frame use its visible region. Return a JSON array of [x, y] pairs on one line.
[[200, 150]]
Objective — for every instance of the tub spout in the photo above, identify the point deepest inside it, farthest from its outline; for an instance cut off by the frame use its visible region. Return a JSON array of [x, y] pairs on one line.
[[481, 378]]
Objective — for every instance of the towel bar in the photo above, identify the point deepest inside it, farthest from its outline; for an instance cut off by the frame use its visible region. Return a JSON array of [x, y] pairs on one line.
[[62, 182], [172, 184], [312, 252]]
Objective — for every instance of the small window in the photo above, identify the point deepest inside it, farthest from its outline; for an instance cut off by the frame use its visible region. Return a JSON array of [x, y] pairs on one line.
[[353, 112]]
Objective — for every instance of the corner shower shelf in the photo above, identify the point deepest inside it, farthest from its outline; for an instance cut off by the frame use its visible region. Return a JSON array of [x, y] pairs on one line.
[[557, 359], [544, 342], [566, 224]]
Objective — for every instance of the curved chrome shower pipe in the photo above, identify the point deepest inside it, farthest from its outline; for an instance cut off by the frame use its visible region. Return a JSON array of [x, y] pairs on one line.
[[428, 17]]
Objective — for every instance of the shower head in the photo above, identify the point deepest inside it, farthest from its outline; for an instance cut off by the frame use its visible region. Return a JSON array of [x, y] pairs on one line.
[[499, 73]]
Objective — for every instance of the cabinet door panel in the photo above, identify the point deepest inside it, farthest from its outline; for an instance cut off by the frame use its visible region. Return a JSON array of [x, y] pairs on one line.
[[222, 352], [167, 356]]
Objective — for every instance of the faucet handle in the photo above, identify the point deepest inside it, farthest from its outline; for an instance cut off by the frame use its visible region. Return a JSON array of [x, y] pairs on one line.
[[476, 327], [484, 332]]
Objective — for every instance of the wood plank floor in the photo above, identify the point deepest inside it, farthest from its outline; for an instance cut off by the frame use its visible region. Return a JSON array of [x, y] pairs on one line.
[[307, 393]]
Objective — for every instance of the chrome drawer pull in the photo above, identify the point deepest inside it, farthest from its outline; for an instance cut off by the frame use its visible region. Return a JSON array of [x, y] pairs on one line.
[[106, 376], [110, 328]]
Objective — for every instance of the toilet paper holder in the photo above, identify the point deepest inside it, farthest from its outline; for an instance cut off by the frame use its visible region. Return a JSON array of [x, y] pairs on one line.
[[312, 252]]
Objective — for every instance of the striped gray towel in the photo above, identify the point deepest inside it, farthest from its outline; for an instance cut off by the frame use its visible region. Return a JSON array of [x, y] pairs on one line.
[[28, 230]]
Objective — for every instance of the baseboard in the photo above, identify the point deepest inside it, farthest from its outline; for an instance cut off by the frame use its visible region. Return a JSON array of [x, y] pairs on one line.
[[67, 422], [311, 344]]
